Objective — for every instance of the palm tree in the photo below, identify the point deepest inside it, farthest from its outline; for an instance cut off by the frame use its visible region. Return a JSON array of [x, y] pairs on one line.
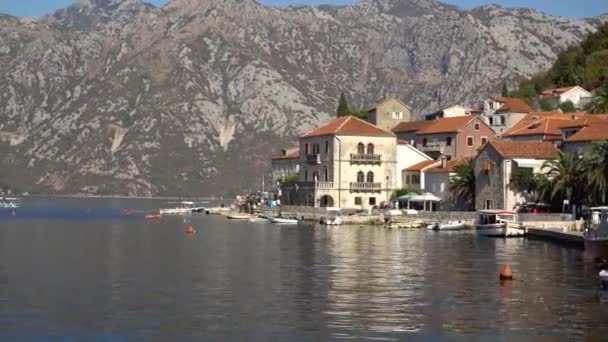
[[600, 102], [565, 176], [462, 183], [536, 186], [596, 169]]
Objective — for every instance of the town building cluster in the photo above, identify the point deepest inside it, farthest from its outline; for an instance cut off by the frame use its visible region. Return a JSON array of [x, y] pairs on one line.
[[353, 163]]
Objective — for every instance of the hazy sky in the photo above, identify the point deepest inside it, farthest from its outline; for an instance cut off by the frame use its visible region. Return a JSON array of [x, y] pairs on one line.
[[570, 8]]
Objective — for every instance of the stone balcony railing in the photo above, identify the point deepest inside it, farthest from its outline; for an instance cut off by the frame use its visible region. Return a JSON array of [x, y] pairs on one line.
[[356, 186], [431, 147], [365, 158]]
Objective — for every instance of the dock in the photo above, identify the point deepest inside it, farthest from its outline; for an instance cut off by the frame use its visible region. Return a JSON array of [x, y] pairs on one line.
[[558, 235]]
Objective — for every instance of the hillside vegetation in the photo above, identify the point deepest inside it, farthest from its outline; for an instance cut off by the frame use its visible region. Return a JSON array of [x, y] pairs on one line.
[[585, 65]]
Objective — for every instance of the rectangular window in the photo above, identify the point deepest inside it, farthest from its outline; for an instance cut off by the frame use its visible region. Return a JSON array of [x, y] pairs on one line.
[[491, 120], [448, 141], [407, 179], [476, 126], [358, 201], [327, 147], [502, 120], [372, 201], [415, 179], [484, 140], [470, 141], [489, 204]]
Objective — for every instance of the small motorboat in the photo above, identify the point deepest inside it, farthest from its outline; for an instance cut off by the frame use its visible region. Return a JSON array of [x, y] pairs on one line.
[[239, 216], [499, 223], [450, 225], [281, 220], [333, 217], [258, 220], [9, 203]]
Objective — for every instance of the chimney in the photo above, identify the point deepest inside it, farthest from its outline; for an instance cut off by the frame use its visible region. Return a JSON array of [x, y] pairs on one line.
[[444, 161]]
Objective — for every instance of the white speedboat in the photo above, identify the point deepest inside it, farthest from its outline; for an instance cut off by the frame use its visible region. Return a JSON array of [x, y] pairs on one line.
[[9, 203], [239, 216], [333, 217], [186, 207], [450, 225], [258, 220], [499, 223], [281, 220]]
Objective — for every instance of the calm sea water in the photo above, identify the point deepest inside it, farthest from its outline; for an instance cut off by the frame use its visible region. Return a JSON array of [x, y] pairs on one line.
[[82, 270]]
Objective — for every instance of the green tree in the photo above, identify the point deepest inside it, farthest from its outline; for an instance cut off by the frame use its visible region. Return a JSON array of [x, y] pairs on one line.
[[505, 90], [342, 106], [595, 165], [565, 175], [290, 179], [462, 183], [546, 106], [599, 104], [403, 191], [535, 185], [567, 107]]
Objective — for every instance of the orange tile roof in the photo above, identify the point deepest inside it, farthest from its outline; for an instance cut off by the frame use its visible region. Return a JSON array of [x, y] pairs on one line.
[[524, 149], [552, 93], [510, 104], [546, 123], [447, 125], [292, 155], [411, 126], [422, 165], [348, 125], [450, 165], [595, 131]]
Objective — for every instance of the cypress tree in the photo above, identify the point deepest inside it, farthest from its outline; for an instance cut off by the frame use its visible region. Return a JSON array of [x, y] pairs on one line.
[[505, 90], [342, 106]]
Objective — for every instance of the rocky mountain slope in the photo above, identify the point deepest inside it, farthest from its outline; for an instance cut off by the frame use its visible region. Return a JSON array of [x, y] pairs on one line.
[[111, 96]]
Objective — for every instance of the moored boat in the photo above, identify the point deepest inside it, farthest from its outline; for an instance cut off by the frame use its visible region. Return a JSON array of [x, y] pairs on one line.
[[258, 220], [281, 220], [239, 216], [499, 223], [596, 233], [9, 203], [333, 217], [186, 207], [450, 225]]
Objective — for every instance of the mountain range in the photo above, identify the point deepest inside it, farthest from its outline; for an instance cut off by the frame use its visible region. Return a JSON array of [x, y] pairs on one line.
[[121, 97]]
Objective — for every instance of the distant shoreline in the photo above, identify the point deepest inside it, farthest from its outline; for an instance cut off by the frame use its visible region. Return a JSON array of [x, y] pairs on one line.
[[123, 197]]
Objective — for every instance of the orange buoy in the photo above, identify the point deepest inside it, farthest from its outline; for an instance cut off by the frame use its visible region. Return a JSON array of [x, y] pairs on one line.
[[506, 273], [190, 230]]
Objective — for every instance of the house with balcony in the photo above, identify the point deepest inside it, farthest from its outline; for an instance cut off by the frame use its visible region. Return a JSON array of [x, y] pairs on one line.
[[452, 137], [346, 163], [502, 113], [285, 164], [498, 162], [389, 112], [555, 97]]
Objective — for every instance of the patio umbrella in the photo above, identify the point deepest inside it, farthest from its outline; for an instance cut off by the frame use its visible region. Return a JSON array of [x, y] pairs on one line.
[[407, 197], [426, 197]]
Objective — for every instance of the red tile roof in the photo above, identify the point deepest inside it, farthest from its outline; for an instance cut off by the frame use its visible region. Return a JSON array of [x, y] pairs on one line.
[[595, 131], [447, 125], [450, 165], [292, 155], [552, 93], [422, 165], [348, 125], [524, 149], [411, 126], [510, 104], [546, 123]]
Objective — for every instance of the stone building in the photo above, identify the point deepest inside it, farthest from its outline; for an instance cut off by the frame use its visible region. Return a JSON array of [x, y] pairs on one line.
[[347, 163], [502, 113], [453, 137], [285, 164], [388, 113], [497, 163]]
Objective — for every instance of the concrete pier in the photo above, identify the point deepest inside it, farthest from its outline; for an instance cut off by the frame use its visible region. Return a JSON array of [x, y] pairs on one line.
[[558, 235]]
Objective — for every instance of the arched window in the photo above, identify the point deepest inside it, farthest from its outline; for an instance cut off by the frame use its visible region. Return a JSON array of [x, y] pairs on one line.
[[326, 175], [361, 148], [370, 148], [370, 177], [360, 177]]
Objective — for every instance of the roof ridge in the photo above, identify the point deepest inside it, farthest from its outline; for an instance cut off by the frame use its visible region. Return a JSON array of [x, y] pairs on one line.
[[344, 123]]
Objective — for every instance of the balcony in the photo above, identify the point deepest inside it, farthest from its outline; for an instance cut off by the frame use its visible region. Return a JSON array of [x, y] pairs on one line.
[[309, 186], [356, 186], [431, 147], [313, 158], [365, 158]]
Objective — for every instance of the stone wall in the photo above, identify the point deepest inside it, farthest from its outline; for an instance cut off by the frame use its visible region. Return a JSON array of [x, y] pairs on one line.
[[488, 185]]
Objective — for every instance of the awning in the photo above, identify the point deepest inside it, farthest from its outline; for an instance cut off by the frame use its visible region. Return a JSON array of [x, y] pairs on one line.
[[531, 163], [427, 197], [407, 196]]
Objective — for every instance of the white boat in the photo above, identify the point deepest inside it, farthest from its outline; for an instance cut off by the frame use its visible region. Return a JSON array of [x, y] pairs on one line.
[[499, 223], [239, 216], [258, 220], [186, 207], [280, 220], [333, 217], [9, 203], [450, 225]]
